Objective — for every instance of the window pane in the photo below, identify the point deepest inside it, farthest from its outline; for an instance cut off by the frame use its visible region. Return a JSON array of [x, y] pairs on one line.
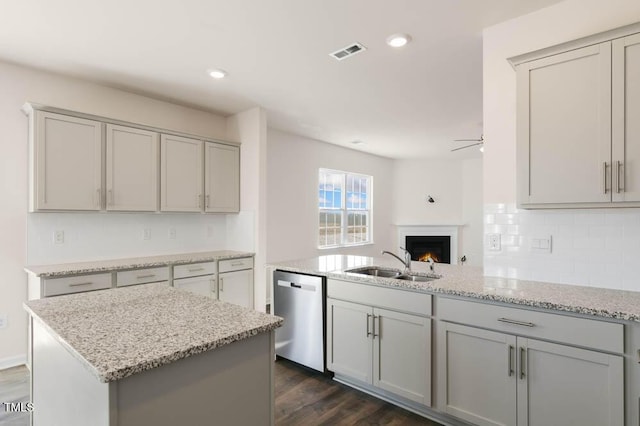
[[357, 229]]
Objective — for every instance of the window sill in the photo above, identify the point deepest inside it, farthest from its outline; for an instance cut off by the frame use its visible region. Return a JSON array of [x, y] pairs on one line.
[[341, 246]]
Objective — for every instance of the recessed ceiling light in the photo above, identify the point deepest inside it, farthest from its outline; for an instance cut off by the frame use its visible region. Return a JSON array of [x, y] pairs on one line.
[[398, 40], [357, 142], [218, 74]]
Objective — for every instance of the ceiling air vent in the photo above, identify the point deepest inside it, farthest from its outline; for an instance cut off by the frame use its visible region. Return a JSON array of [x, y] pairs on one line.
[[348, 51]]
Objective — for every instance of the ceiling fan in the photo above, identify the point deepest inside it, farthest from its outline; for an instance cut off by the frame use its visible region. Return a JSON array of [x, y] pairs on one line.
[[476, 142]]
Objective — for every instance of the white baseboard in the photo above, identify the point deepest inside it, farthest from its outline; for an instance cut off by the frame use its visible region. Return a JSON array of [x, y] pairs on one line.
[[12, 361]]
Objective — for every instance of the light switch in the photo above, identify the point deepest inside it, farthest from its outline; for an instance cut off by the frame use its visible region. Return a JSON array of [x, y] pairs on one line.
[[58, 237], [541, 244]]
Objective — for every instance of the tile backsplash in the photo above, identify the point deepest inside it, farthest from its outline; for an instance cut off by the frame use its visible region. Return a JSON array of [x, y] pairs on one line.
[[595, 247]]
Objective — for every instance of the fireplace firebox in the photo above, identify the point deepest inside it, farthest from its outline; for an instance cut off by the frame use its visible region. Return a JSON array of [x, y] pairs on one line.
[[422, 248]]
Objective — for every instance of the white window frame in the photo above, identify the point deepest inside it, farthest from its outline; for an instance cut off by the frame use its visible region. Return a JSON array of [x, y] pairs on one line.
[[345, 211]]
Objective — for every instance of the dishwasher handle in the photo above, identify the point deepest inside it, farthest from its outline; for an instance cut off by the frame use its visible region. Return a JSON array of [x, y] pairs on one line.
[[296, 286]]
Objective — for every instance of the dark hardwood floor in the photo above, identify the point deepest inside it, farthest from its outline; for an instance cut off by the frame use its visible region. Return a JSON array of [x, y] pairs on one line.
[[303, 397]]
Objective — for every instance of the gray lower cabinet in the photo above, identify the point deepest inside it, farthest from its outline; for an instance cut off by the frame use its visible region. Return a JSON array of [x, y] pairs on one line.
[[495, 378], [363, 344]]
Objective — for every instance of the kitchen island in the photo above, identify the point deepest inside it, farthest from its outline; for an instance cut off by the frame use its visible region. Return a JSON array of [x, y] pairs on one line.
[[150, 354]]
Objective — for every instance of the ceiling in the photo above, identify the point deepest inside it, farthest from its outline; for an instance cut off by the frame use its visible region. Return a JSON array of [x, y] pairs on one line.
[[409, 102]]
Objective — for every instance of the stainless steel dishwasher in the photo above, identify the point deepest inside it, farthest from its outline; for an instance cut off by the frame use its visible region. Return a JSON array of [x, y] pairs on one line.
[[300, 300]]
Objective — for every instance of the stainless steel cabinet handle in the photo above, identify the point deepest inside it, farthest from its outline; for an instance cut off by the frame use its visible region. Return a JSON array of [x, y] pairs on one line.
[[139, 277], [516, 322], [604, 176], [368, 332], [376, 317], [522, 362], [80, 284], [236, 263], [195, 269], [619, 179], [207, 205], [510, 356], [199, 198], [221, 284]]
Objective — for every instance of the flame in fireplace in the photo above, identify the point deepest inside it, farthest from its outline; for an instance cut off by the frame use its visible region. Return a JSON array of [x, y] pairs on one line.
[[428, 255]]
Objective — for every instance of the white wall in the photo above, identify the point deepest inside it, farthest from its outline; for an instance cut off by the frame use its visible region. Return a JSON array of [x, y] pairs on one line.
[[587, 241], [247, 231], [456, 187], [26, 237], [292, 222]]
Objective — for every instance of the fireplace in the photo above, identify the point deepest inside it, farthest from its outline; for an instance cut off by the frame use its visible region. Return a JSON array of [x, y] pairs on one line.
[[449, 231], [423, 247]]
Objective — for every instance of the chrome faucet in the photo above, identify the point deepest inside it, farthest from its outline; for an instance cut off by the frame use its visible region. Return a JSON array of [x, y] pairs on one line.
[[407, 259], [431, 263]]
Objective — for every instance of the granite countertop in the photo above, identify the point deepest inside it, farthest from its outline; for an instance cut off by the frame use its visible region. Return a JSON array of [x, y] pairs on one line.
[[469, 281], [119, 332], [56, 270]]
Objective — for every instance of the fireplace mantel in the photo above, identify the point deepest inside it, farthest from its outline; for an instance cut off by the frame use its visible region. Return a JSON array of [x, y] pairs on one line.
[[431, 230]]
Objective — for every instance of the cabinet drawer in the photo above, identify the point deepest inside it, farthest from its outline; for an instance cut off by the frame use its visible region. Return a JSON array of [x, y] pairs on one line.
[[383, 297], [76, 284], [142, 276], [235, 264], [194, 270], [600, 335]]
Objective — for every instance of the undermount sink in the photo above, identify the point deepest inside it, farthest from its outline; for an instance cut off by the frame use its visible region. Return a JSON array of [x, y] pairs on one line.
[[377, 271], [420, 278]]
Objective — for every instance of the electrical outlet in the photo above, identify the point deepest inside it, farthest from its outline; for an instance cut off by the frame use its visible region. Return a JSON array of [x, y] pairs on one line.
[[146, 234], [58, 237], [494, 243], [172, 233], [4, 321]]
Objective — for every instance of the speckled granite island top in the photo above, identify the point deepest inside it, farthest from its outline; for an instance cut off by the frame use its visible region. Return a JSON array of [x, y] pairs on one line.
[[468, 281], [55, 270], [119, 332]]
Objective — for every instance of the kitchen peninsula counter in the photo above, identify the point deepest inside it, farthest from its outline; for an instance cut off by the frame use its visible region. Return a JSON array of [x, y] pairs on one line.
[[469, 282], [150, 353]]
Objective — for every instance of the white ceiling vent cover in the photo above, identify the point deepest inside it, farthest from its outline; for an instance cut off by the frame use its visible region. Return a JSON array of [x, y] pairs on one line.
[[348, 51]]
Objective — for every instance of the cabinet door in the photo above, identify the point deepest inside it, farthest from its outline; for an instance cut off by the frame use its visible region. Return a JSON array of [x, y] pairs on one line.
[[181, 178], [626, 126], [132, 169], [349, 334], [222, 178], [562, 385], [205, 285], [564, 128], [477, 380], [236, 287], [68, 163], [405, 372]]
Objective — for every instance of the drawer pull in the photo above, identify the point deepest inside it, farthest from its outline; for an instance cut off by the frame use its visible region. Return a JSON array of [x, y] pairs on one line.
[[195, 269], [81, 284], [139, 277], [237, 263], [515, 322], [368, 332]]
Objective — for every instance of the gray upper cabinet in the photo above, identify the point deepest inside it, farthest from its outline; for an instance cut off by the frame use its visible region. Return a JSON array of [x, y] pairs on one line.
[[181, 174], [131, 169], [82, 162], [564, 128], [577, 142], [66, 163], [222, 178], [626, 126]]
